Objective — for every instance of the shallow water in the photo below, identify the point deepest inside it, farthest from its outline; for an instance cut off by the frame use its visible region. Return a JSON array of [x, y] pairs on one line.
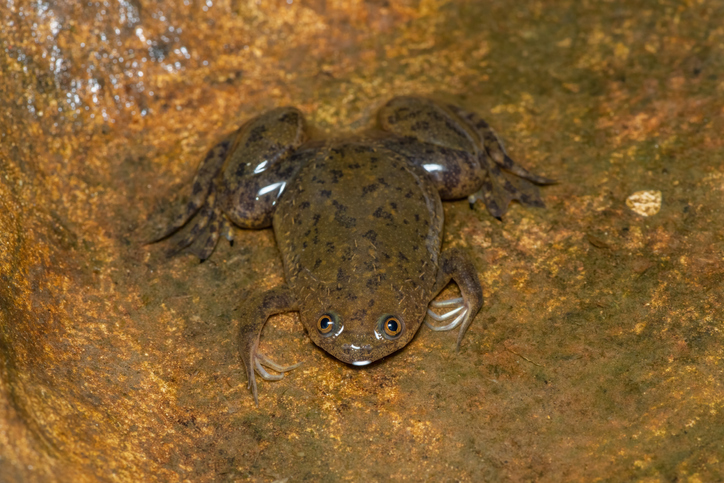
[[597, 355]]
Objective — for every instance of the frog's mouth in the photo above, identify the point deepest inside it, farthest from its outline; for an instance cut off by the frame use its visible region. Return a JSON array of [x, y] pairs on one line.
[[357, 354]]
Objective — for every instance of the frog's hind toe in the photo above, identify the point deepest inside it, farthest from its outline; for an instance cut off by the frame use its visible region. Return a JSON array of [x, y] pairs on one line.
[[200, 235], [205, 243], [500, 187]]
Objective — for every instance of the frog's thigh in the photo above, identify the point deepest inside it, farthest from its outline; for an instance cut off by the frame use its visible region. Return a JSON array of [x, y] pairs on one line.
[[259, 168], [455, 265], [250, 201], [435, 140], [254, 313]]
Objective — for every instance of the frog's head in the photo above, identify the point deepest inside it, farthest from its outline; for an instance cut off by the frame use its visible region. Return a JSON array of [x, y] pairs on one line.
[[360, 328]]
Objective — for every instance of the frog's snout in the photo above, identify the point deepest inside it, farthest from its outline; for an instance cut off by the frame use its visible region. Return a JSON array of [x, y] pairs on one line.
[[357, 352]]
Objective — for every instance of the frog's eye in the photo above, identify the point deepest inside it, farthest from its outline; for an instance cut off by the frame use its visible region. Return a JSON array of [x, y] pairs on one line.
[[391, 327], [325, 325]]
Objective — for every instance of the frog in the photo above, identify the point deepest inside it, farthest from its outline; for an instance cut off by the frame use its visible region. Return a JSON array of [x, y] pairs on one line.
[[358, 220]]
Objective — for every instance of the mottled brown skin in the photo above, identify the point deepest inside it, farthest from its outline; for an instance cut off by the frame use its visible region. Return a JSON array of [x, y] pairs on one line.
[[358, 220]]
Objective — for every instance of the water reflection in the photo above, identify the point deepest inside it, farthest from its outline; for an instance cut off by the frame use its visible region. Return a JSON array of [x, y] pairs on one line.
[[270, 188], [433, 167], [100, 58]]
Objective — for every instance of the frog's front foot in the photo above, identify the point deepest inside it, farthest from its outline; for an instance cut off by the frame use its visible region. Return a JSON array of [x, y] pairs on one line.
[[254, 314], [458, 313], [260, 360], [455, 265]]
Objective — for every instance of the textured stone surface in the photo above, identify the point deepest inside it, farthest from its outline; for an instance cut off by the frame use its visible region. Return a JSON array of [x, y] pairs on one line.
[[598, 353]]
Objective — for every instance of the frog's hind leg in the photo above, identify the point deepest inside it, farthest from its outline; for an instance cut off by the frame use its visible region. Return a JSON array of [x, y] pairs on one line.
[[205, 241], [200, 190], [494, 146], [198, 233], [506, 180]]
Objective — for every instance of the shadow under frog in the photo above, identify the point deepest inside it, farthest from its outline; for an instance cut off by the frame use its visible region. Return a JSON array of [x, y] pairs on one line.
[[358, 222]]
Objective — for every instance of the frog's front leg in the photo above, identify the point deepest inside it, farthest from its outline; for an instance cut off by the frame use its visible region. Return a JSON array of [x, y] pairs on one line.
[[254, 314], [455, 265]]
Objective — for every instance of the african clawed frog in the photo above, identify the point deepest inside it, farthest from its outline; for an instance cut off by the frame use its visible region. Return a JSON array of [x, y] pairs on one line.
[[358, 221]]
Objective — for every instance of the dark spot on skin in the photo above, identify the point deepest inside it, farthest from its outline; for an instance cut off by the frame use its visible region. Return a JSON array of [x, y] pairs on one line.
[[345, 221], [420, 125], [316, 217], [336, 175], [317, 263], [290, 118], [371, 303], [380, 213], [363, 149], [304, 205], [376, 280], [330, 247], [325, 193], [255, 135], [393, 205], [402, 257], [373, 283], [351, 296], [382, 182], [341, 218], [371, 235], [417, 218], [370, 188]]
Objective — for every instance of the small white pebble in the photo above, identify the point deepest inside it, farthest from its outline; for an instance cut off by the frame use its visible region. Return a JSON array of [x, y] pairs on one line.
[[645, 203]]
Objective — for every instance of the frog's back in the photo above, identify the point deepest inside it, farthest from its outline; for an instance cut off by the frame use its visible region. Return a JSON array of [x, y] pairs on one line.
[[359, 214]]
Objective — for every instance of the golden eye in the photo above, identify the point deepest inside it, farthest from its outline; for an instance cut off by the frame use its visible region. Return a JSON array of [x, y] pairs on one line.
[[325, 324], [392, 327]]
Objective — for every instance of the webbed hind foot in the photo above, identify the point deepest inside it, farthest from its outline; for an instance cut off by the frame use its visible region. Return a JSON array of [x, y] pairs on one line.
[[200, 191], [505, 180]]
